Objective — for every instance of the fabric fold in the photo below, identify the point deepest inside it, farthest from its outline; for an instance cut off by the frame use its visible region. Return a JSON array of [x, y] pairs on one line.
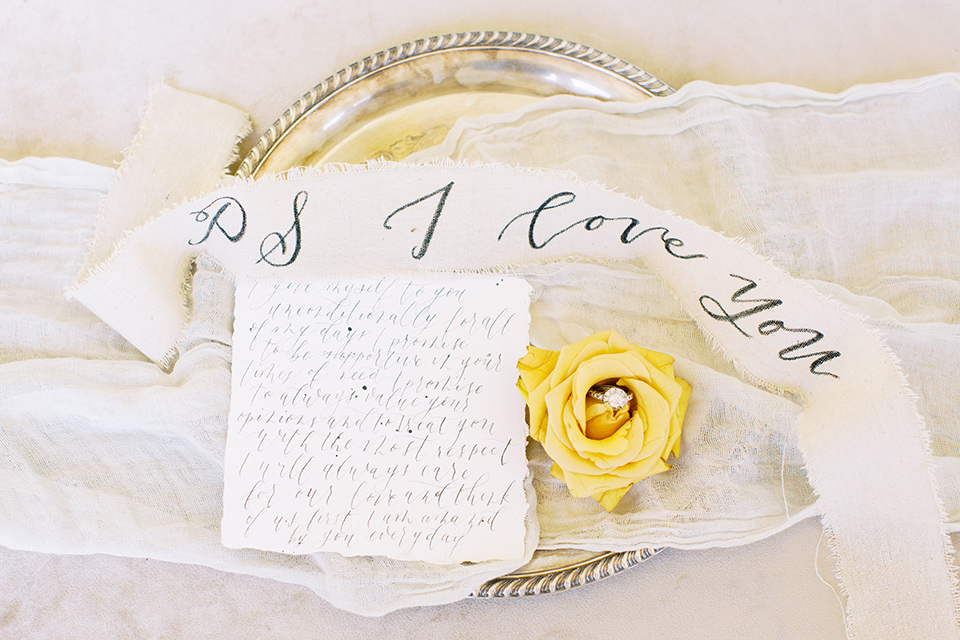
[[776, 166], [778, 331]]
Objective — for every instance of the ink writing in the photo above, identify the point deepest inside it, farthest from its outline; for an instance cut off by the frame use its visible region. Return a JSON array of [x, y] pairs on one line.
[[378, 417], [717, 312], [715, 309], [443, 192], [227, 216], [276, 240], [228, 208], [633, 230]]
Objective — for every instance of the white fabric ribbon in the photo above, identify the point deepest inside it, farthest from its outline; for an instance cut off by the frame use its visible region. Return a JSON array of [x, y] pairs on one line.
[[864, 443]]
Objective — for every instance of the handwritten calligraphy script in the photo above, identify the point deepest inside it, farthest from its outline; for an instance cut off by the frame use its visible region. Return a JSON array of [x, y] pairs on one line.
[[540, 233], [562, 222], [378, 417]]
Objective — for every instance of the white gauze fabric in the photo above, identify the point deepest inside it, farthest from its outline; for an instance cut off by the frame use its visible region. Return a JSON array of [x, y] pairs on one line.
[[740, 477], [855, 401], [856, 192], [105, 452]]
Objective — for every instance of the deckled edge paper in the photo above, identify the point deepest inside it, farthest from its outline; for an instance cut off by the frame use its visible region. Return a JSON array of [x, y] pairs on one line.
[[378, 417]]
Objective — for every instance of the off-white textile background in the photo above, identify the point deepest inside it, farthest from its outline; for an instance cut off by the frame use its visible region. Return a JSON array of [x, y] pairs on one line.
[[75, 78]]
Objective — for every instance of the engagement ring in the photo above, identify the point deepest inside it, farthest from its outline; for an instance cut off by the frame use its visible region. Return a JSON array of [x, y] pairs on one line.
[[611, 394]]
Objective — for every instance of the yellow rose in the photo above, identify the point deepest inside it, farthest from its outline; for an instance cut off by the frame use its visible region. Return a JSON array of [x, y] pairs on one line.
[[598, 451]]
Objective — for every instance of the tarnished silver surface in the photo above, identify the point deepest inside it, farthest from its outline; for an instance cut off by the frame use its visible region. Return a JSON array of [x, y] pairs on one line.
[[552, 571], [406, 98]]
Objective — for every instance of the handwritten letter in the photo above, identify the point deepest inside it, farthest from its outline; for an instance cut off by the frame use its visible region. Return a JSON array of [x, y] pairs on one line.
[[378, 417]]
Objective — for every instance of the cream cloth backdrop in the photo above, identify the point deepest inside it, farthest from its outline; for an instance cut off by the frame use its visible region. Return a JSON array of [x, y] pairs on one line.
[[729, 161]]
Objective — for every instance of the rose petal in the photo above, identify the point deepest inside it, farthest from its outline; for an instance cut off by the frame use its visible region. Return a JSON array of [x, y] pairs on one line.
[[554, 402], [609, 499], [673, 440], [602, 421], [567, 458], [642, 469], [582, 455], [534, 368], [571, 356], [537, 406]]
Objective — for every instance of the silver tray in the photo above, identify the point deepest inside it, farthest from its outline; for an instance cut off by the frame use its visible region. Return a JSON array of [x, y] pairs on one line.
[[406, 98]]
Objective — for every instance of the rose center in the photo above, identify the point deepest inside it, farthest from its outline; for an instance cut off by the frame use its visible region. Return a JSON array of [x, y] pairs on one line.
[[602, 421]]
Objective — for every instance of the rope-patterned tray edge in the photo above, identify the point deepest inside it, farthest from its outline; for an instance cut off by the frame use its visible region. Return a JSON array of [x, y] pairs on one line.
[[552, 580], [426, 46]]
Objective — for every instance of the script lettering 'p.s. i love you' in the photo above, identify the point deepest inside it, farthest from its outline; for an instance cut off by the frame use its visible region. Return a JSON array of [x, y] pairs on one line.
[[378, 417]]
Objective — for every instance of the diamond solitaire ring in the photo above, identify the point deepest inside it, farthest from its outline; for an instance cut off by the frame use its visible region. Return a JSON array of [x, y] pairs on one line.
[[611, 394]]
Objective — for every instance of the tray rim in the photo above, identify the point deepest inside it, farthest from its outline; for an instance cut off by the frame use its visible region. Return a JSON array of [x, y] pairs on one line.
[[473, 40], [531, 583]]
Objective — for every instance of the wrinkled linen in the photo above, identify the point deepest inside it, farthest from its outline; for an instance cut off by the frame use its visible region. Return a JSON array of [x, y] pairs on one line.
[[858, 193], [741, 477], [104, 452]]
